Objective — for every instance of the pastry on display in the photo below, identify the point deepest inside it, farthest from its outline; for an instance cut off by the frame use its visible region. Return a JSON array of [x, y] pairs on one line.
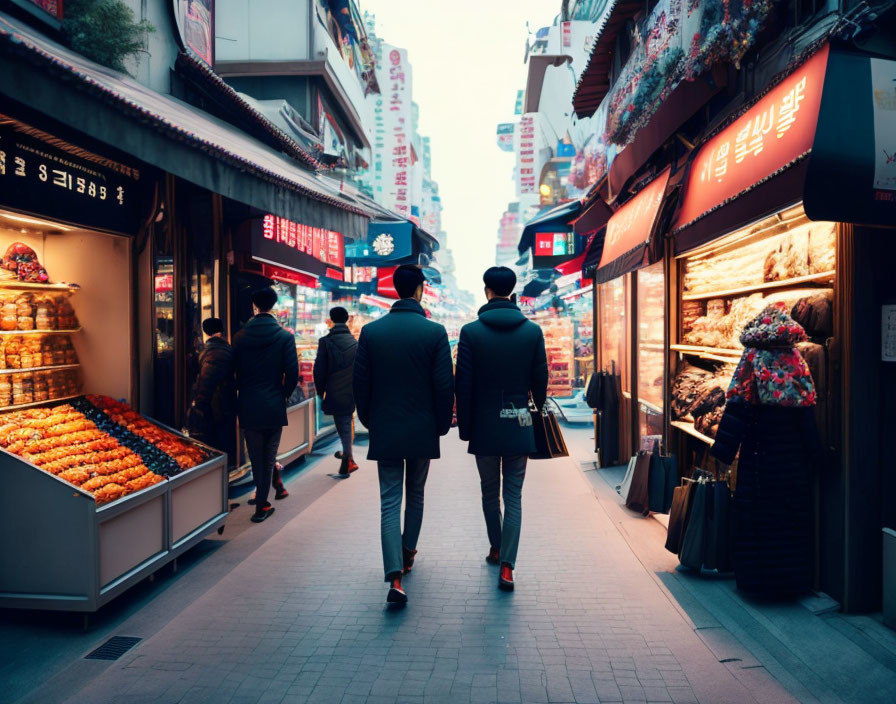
[[22, 260], [62, 441]]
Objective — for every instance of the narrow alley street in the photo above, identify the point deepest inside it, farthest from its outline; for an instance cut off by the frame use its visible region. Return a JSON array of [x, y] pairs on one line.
[[302, 617]]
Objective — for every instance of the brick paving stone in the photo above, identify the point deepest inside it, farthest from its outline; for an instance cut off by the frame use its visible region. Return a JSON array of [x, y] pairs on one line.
[[302, 618]]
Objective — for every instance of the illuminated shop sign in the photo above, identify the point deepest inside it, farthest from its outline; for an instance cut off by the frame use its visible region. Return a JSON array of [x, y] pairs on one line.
[[284, 243], [65, 182]]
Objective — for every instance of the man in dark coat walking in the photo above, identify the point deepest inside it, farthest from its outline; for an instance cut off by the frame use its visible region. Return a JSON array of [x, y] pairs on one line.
[[333, 368], [267, 371], [212, 415], [501, 360], [403, 385]]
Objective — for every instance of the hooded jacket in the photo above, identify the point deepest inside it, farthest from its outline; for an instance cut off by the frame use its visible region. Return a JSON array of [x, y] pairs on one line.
[[267, 371], [403, 383], [500, 361], [333, 370]]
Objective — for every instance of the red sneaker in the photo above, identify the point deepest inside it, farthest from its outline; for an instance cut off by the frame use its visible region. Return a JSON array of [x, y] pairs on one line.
[[409, 556], [352, 465], [397, 595], [505, 581]]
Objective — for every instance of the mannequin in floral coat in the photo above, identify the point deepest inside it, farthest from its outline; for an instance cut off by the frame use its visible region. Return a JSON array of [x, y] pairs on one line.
[[769, 418]]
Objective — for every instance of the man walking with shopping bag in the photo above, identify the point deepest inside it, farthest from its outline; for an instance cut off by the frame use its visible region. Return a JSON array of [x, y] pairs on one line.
[[403, 388], [501, 361]]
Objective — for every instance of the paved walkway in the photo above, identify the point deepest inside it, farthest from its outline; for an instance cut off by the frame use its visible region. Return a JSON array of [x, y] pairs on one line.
[[302, 619]]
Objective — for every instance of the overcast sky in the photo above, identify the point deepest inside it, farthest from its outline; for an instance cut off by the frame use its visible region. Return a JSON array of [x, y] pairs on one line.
[[467, 57]]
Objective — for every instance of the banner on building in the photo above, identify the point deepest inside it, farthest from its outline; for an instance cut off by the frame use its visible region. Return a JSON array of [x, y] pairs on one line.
[[505, 136], [195, 22]]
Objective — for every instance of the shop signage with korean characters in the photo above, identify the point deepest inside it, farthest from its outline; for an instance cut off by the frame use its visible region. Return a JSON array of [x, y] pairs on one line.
[[505, 136], [554, 244], [883, 86], [67, 183], [632, 224], [310, 250], [772, 134], [527, 156]]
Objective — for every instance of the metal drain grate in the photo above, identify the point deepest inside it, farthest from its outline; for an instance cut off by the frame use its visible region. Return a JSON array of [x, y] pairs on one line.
[[113, 648]]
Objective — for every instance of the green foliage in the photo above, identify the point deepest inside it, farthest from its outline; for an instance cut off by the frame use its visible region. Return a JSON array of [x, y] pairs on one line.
[[105, 31]]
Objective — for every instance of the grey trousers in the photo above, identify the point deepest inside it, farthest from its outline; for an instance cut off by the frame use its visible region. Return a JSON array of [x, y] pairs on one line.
[[262, 444], [344, 430], [505, 534], [393, 473]]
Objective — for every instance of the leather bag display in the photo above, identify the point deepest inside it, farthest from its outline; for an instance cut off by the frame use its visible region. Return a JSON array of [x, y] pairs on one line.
[[638, 495], [678, 515], [662, 480], [693, 546], [623, 488]]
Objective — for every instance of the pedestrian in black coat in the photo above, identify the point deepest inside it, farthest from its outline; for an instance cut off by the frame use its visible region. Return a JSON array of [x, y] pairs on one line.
[[267, 371], [403, 387], [501, 361], [333, 369], [212, 415]]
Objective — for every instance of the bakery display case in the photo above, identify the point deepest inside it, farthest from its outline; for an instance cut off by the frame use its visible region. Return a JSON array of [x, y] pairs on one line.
[[723, 285], [106, 496], [558, 342], [651, 322]]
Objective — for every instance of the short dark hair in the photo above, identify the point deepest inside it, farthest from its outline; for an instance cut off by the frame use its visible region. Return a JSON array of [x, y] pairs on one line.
[[339, 314], [500, 280], [212, 326], [407, 279], [264, 299]]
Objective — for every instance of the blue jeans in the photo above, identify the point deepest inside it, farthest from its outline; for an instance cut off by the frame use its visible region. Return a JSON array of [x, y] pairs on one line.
[[505, 534], [344, 430], [392, 475]]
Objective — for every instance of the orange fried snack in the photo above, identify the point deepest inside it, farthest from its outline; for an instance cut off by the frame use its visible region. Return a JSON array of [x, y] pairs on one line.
[[74, 476], [95, 483], [109, 492], [144, 481]]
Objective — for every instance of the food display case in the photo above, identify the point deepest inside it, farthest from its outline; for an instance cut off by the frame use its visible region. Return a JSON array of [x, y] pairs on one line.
[[781, 259], [558, 342], [651, 353], [105, 497]]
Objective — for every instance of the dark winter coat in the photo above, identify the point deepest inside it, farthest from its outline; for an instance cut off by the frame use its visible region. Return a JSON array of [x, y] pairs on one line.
[[500, 360], [267, 371], [779, 447], [212, 415], [403, 384], [333, 368]]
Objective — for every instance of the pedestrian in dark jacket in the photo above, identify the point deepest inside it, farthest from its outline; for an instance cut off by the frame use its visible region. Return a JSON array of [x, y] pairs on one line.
[[212, 415], [267, 371], [404, 393], [333, 368], [501, 361]]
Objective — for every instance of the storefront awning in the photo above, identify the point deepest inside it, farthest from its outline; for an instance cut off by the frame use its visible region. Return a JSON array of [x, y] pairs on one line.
[[594, 215], [629, 232], [593, 253], [819, 136], [557, 218], [164, 132]]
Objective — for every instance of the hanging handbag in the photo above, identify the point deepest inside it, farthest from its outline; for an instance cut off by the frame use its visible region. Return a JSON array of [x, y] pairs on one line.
[[693, 547], [718, 529], [637, 499], [549, 442], [670, 463], [678, 515]]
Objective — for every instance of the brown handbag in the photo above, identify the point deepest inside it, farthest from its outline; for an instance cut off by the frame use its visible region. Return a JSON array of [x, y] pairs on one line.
[[549, 442], [682, 496]]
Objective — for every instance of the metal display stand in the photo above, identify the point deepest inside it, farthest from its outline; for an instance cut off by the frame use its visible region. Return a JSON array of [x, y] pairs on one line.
[[60, 551]]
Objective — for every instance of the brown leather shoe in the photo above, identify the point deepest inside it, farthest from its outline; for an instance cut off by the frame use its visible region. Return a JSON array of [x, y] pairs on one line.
[[409, 556], [505, 581], [493, 557], [397, 595]]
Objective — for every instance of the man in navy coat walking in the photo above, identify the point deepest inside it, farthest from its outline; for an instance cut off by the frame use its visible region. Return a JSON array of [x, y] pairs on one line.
[[403, 387], [501, 361]]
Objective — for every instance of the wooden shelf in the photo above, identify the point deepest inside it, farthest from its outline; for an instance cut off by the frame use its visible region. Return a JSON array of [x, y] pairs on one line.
[[13, 285], [51, 368], [22, 406], [787, 283], [692, 431], [709, 352], [38, 332]]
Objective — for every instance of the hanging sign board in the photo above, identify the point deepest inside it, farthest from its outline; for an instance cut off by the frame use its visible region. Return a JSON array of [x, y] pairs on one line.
[[195, 22], [631, 225], [776, 131], [283, 243], [67, 183]]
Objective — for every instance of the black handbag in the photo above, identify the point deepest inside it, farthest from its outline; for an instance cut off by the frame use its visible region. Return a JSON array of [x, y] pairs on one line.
[[693, 547], [637, 498], [663, 479], [549, 442]]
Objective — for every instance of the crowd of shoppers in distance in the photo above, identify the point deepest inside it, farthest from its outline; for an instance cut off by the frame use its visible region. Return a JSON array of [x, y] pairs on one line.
[[400, 378]]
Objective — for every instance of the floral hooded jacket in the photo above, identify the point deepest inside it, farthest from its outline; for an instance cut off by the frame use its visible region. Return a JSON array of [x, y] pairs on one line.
[[772, 371]]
